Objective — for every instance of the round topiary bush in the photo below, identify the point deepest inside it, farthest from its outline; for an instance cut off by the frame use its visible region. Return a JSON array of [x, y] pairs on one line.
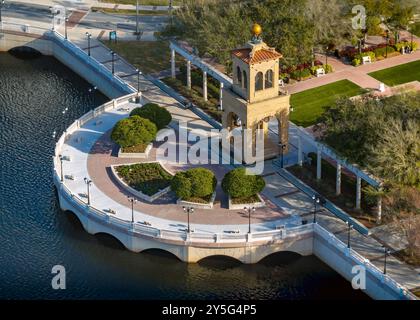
[[197, 182], [133, 131], [155, 113], [181, 185], [237, 183]]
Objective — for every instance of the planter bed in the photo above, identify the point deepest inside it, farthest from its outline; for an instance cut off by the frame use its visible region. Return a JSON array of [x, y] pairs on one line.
[[198, 203], [147, 181], [239, 204], [140, 152]]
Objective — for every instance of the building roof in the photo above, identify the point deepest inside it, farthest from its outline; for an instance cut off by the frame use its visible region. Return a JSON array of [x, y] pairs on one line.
[[260, 55]]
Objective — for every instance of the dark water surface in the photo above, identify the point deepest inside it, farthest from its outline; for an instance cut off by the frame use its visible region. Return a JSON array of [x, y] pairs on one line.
[[35, 234]]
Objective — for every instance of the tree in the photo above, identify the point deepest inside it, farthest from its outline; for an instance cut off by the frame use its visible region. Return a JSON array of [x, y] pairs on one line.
[[155, 113], [396, 154], [237, 183], [133, 131], [197, 182]]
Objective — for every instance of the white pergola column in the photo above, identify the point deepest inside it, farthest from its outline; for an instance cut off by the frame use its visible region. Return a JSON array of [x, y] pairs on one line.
[[300, 160], [189, 74], [358, 192], [173, 74], [338, 180], [318, 163], [205, 86], [221, 95], [379, 217]]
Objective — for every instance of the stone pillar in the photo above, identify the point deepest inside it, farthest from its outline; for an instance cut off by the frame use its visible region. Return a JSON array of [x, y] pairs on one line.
[[358, 192], [318, 163], [300, 161], [173, 74], [205, 85], [338, 180], [221, 95], [189, 74]]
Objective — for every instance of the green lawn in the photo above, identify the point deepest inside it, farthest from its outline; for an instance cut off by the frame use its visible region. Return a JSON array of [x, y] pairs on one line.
[[309, 105], [400, 74], [148, 56]]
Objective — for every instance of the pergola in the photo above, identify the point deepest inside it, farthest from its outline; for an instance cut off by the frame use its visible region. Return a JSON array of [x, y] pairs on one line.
[[322, 149], [207, 69]]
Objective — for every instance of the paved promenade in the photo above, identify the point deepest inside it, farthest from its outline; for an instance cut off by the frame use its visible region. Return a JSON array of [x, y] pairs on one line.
[[358, 75]]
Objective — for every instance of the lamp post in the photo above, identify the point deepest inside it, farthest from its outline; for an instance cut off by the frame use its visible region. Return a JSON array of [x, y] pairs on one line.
[[133, 201], [138, 86], [170, 11], [61, 167], [113, 60], [92, 96], [65, 28], [88, 35], [64, 118], [387, 39], [316, 199], [1, 7], [349, 226], [188, 210], [411, 33], [282, 148], [249, 210], [386, 253], [88, 183], [137, 19]]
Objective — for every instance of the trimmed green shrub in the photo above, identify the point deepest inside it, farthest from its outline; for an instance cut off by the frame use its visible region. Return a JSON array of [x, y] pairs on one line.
[[381, 52], [155, 113], [328, 68], [356, 62], [197, 182], [133, 131], [301, 74], [237, 183], [403, 44], [181, 185]]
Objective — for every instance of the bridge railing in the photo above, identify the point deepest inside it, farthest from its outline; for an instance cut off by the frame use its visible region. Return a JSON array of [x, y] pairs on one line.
[[360, 260]]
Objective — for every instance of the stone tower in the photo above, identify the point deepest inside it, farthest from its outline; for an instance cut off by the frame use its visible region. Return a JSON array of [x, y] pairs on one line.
[[255, 98]]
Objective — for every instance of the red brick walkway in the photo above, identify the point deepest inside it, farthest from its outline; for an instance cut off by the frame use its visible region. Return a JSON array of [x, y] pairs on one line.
[[102, 156]]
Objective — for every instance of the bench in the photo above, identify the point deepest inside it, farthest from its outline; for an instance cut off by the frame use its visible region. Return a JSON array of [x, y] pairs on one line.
[[281, 82], [69, 177], [232, 231], [99, 122], [320, 72], [366, 60]]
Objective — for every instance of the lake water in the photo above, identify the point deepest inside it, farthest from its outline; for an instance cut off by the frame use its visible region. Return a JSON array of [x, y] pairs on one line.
[[35, 234]]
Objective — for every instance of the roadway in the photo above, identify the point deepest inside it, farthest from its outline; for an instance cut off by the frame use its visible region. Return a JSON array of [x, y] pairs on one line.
[[41, 13]]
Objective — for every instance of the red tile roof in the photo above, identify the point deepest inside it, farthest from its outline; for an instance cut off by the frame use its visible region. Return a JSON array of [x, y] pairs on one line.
[[259, 56]]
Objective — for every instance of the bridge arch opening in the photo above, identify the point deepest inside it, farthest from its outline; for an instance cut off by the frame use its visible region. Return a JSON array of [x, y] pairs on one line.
[[219, 262], [160, 253], [280, 258], [109, 241], [25, 52]]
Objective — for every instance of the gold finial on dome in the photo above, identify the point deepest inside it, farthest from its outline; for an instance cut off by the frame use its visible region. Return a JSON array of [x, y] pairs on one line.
[[256, 29]]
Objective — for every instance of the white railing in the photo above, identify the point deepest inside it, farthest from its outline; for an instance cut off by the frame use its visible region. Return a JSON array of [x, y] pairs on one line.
[[58, 38], [360, 260]]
